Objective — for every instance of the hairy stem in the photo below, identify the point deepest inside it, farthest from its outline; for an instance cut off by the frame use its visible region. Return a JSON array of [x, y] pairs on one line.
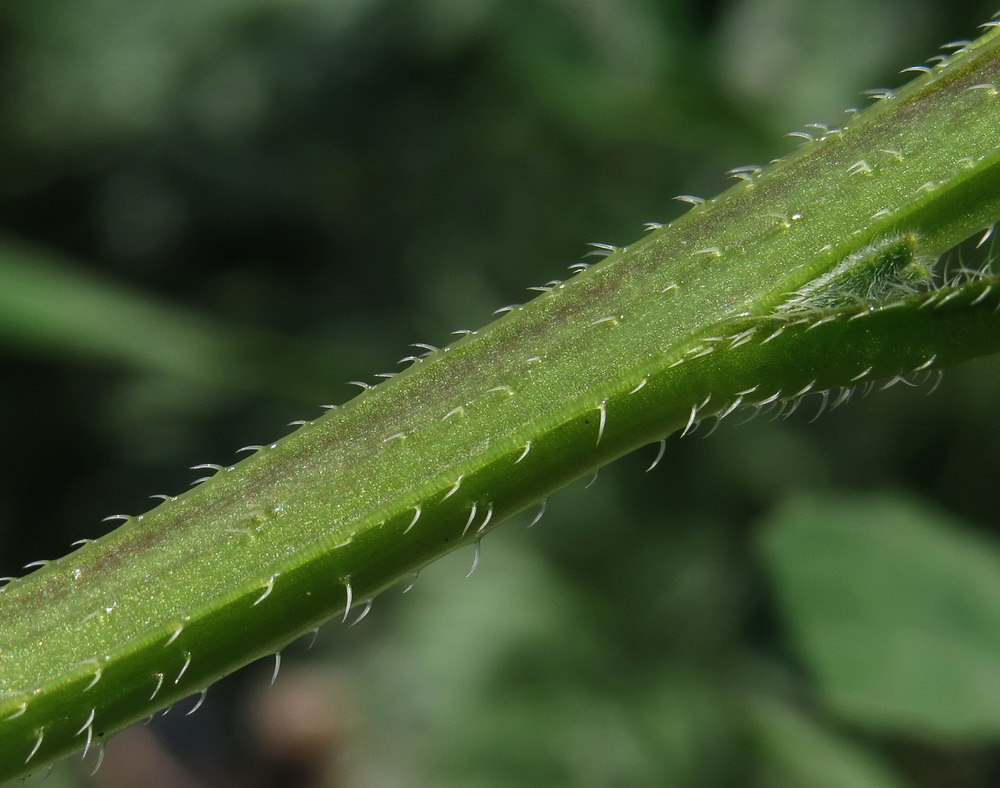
[[685, 323]]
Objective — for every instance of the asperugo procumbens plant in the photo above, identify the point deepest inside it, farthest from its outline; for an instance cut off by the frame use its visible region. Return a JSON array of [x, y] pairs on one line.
[[809, 276]]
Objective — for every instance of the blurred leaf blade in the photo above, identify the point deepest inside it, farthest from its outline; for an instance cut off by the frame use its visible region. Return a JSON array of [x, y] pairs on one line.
[[895, 609], [799, 750], [52, 308]]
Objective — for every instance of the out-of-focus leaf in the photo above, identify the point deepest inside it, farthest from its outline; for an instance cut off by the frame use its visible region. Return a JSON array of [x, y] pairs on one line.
[[50, 307], [47, 305], [817, 56], [519, 684], [797, 750], [895, 610], [449, 24]]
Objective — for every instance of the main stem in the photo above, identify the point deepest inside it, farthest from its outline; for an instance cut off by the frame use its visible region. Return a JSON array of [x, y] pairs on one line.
[[662, 332]]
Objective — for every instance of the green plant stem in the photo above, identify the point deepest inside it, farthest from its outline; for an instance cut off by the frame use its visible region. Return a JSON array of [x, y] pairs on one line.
[[676, 327]]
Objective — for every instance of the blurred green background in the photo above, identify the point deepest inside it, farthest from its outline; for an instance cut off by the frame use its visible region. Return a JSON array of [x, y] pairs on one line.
[[215, 213]]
